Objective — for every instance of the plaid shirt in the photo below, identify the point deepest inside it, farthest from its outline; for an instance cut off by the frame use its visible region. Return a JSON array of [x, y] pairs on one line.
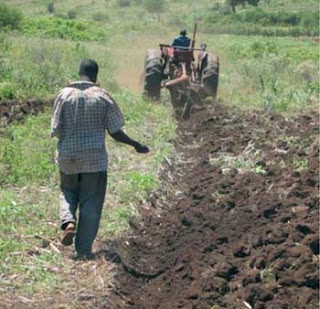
[[82, 113]]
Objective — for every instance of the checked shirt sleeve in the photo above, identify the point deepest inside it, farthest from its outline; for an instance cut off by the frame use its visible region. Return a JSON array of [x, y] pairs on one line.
[[114, 119], [56, 121]]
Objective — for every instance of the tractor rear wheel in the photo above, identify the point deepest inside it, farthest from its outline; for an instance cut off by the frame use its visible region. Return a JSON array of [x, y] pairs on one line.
[[153, 74], [210, 74]]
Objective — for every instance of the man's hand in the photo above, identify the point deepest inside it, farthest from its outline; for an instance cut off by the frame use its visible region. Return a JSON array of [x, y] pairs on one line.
[[122, 137], [141, 149]]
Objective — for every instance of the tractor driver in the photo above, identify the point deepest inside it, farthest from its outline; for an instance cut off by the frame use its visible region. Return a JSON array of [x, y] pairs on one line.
[[181, 40]]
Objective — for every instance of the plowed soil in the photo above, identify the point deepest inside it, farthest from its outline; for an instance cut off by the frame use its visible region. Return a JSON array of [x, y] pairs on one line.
[[16, 111], [236, 225]]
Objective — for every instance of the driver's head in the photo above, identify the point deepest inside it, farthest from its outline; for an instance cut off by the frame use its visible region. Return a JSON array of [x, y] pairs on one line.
[[89, 68], [183, 32]]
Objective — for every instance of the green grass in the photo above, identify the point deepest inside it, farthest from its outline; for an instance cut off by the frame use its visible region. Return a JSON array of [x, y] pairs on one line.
[[270, 18], [27, 153], [267, 73], [25, 213], [10, 18], [278, 74], [39, 67], [290, 5], [29, 193], [245, 162], [257, 21], [55, 27]]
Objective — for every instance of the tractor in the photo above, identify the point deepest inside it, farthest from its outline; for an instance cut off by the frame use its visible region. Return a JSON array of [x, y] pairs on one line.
[[188, 80]]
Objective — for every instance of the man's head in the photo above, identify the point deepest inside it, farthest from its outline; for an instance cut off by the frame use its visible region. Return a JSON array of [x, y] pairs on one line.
[[89, 69], [183, 32]]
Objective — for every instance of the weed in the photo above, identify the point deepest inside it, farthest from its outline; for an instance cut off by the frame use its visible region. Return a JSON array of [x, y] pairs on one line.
[[40, 67], [276, 75], [245, 162], [55, 27], [10, 18], [100, 17], [28, 152], [72, 14], [124, 3], [50, 7], [300, 164], [256, 21], [267, 275], [33, 65]]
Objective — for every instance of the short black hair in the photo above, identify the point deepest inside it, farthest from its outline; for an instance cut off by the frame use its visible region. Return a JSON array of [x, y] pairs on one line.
[[183, 32], [89, 68]]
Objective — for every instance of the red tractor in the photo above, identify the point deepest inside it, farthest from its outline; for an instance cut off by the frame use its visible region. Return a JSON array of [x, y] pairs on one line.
[[188, 80]]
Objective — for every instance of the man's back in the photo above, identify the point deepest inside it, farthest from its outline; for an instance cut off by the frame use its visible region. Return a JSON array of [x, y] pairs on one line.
[[182, 41], [83, 112]]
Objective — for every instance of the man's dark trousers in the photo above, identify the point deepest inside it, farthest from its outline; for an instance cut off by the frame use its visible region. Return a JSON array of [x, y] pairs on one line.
[[86, 191]]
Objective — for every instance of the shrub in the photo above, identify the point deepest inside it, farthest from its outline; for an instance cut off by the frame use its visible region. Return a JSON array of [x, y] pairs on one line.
[[72, 14], [154, 6], [100, 17], [124, 3], [55, 27], [222, 9], [309, 19], [259, 22], [281, 18], [28, 154], [9, 18], [50, 7]]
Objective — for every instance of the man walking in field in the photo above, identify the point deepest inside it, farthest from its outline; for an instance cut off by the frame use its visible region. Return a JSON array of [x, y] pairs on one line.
[[82, 113]]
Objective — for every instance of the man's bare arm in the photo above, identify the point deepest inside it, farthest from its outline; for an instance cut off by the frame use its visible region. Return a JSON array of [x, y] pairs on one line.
[[122, 137]]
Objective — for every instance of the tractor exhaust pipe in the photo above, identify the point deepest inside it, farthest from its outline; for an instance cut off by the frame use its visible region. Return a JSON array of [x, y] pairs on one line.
[[193, 41]]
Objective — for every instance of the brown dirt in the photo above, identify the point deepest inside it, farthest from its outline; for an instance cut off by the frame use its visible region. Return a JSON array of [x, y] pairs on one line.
[[218, 234], [218, 238], [14, 110]]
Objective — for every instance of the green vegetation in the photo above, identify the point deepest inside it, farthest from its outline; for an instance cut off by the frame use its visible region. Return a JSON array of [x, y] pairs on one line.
[[40, 67], [27, 153], [278, 74], [300, 164], [39, 53], [69, 29], [259, 21], [29, 190], [234, 3], [154, 6], [245, 162], [9, 18], [20, 252]]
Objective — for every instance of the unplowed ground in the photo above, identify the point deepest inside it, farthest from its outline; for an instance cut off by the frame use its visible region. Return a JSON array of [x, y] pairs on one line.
[[236, 225]]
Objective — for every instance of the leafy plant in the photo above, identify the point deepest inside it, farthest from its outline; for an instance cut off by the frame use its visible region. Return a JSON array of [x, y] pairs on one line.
[[234, 3], [72, 14], [50, 7], [300, 164], [245, 162], [124, 3], [54, 27], [28, 154], [9, 17], [154, 6]]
